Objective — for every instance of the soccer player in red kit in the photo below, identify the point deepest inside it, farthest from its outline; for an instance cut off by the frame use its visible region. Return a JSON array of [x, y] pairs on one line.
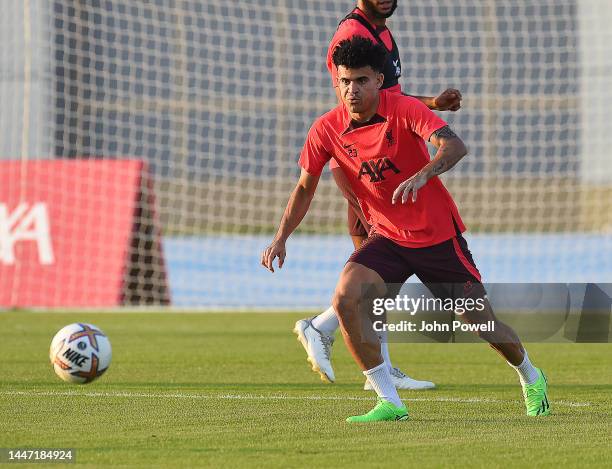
[[416, 227], [367, 19]]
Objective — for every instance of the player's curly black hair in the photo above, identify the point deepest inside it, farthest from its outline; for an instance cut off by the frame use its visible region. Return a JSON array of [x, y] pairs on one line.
[[359, 52]]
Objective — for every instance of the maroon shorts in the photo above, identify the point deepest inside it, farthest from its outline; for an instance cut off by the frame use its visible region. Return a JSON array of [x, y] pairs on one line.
[[449, 262], [357, 224]]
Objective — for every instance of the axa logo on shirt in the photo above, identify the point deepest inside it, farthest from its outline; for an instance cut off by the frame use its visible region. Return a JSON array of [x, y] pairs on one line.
[[25, 223], [376, 168]]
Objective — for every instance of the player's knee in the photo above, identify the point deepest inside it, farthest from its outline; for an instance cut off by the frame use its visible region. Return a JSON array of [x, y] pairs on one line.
[[345, 304]]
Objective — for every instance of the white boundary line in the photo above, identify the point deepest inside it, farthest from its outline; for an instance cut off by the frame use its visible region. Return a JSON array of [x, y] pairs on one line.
[[255, 397]]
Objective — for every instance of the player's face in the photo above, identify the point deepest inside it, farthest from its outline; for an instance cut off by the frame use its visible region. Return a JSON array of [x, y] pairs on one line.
[[379, 8], [359, 88]]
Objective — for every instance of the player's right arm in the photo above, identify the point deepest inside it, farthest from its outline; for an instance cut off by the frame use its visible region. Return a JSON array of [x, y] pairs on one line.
[[313, 159], [296, 209], [448, 100]]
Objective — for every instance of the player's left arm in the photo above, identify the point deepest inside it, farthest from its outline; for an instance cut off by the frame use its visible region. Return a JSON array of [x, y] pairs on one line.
[[450, 150], [448, 100]]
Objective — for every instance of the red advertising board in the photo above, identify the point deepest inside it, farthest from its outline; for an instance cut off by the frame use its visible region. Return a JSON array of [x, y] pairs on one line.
[[68, 229]]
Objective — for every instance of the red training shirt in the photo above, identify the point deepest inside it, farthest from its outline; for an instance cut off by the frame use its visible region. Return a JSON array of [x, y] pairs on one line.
[[379, 156]]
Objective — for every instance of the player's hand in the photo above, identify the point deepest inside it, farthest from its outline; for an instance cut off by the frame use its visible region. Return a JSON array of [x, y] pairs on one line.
[[449, 100], [276, 249], [412, 184]]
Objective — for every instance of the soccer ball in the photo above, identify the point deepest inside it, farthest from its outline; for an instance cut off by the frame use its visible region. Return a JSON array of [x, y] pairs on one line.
[[80, 353]]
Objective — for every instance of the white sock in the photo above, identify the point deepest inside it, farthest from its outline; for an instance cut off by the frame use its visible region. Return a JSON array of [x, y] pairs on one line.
[[327, 322], [384, 349], [380, 379], [526, 371]]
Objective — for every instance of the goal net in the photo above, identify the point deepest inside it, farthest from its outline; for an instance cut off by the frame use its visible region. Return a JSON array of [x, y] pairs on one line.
[[217, 97]]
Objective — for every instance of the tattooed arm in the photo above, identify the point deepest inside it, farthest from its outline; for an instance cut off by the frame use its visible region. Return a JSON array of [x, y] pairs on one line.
[[450, 150]]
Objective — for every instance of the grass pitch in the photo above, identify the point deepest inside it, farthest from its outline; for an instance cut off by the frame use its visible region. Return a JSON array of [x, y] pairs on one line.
[[234, 390]]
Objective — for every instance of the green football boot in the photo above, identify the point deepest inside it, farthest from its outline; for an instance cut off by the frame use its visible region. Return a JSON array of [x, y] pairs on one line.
[[536, 396], [384, 411]]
